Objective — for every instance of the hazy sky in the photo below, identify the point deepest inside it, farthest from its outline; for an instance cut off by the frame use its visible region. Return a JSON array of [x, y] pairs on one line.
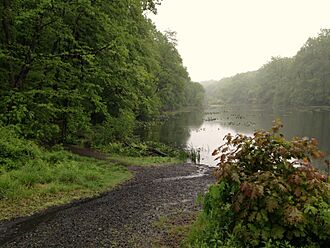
[[218, 38]]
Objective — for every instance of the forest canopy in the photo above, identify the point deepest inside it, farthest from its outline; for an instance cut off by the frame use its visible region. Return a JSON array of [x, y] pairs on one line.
[[301, 80], [68, 68]]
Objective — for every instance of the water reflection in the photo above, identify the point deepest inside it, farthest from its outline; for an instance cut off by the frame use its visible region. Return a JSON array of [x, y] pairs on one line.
[[205, 130], [207, 138], [174, 131]]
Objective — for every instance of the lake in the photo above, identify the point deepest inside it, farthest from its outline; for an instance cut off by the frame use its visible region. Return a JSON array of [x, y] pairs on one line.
[[205, 130]]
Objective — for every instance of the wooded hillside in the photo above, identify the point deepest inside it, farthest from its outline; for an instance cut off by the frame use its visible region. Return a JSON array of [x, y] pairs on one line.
[[301, 80], [72, 70]]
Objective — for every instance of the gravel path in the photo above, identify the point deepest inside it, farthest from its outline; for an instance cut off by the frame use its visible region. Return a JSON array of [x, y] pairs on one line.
[[123, 217]]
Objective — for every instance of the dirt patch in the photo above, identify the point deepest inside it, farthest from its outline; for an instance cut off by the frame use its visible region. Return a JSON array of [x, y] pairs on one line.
[[86, 151], [123, 217], [172, 229]]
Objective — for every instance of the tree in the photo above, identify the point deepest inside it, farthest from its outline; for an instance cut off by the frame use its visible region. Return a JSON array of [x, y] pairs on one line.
[[69, 67], [301, 80]]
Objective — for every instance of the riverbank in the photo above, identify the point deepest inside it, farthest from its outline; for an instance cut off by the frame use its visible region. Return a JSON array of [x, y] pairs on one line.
[[33, 178], [34, 188], [40, 184], [123, 217]]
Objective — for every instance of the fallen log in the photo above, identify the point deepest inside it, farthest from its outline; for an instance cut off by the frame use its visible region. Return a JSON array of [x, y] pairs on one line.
[[157, 152]]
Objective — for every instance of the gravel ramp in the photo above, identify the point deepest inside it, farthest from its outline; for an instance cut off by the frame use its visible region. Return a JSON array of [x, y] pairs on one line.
[[123, 217]]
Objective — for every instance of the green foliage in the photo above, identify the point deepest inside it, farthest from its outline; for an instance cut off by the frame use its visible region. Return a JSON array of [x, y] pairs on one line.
[[301, 80], [32, 178], [38, 184], [143, 149], [69, 69], [114, 129], [268, 194], [15, 151], [144, 161], [194, 155]]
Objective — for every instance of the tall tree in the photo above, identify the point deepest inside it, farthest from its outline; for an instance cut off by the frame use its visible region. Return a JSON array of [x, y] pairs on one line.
[[67, 67]]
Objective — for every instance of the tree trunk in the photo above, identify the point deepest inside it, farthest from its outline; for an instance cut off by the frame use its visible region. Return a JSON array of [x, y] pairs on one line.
[[6, 24]]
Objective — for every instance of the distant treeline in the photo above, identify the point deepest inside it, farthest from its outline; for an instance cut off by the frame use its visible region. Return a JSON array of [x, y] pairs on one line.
[[301, 80], [75, 70]]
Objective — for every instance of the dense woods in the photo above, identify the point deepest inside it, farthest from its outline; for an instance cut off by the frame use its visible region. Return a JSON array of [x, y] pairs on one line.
[[301, 80], [79, 70]]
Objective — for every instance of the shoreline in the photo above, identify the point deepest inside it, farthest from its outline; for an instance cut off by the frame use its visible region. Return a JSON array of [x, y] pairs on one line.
[[131, 208]]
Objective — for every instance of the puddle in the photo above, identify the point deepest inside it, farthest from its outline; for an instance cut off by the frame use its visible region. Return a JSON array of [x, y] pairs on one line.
[[201, 171]]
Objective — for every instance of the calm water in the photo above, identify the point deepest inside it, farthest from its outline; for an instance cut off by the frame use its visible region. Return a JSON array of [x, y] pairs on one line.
[[205, 130]]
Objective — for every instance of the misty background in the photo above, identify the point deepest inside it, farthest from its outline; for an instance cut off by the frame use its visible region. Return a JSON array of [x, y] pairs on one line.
[[218, 38]]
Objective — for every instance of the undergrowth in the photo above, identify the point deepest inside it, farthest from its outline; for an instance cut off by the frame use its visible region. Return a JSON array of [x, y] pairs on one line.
[[136, 148], [268, 195], [32, 178], [144, 161]]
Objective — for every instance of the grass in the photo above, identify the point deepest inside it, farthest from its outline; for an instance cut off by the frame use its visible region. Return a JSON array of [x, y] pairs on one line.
[[173, 229], [33, 178], [144, 161], [40, 183], [56, 178]]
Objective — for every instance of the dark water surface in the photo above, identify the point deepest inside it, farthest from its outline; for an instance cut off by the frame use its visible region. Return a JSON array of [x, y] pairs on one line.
[[205, 130]]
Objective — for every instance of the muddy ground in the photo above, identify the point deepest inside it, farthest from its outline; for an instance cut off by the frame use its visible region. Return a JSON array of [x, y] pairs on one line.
[[123, 217]]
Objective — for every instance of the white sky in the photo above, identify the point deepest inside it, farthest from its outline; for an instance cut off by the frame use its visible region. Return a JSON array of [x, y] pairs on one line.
[[219, 38]]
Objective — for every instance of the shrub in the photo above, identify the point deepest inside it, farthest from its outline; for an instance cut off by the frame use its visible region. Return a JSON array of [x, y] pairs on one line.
[[137, 148], [14, 152], [114, 129], [268, 194]]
